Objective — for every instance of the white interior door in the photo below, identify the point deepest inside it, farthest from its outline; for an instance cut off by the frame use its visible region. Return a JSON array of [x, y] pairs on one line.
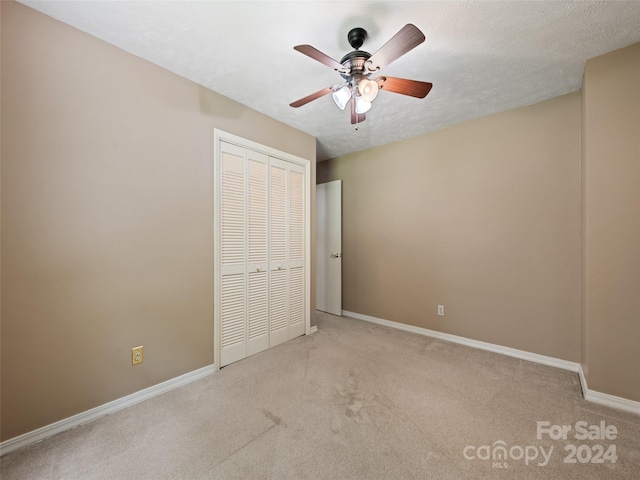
[[261, 248], [329, 247], [257, 263], [297, 267], [287, 257], [278, 269], [232, 290]]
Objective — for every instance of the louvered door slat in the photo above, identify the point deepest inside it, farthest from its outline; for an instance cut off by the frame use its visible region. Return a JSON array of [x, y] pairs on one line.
[[258, 214], [278, 312], [296, 215], [232, 209], [278, 216], [296, 295], [233, 316], [257, 304]]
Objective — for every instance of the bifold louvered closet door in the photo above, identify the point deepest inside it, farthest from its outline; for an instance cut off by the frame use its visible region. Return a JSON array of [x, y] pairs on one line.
[[261, 288]]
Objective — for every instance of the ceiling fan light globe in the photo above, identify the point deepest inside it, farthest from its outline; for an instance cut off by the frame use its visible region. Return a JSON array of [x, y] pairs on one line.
[[341, 97], [362, 105], [368, 89]]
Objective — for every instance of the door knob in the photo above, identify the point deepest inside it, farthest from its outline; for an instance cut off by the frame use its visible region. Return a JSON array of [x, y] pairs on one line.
[[336, 255]]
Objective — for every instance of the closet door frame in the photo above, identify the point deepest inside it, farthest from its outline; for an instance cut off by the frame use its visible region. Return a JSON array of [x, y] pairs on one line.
[[222, 136]]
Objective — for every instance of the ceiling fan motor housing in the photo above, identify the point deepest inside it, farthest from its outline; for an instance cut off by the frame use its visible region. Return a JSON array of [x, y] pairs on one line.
[[355, 63]]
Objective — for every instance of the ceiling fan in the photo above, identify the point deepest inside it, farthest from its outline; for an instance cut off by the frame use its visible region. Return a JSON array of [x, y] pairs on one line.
[[356, 67]]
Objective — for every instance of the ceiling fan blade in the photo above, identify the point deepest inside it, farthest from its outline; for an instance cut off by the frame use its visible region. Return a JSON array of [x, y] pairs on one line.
[[413, 88], [313, 96], [356, 117], [316, 54], [406, 39]]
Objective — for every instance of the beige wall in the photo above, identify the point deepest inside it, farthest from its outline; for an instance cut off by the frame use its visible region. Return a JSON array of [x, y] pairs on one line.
[[482, 217], [525, 224], [611, 194], [107, 212]]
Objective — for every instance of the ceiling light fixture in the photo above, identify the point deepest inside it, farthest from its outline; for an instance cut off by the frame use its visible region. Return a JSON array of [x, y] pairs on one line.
[[368, 89], [362, 105], [364, 93], [342, 97]]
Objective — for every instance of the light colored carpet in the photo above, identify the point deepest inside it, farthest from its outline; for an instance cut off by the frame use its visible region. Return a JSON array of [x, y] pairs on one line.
[[353, 401]]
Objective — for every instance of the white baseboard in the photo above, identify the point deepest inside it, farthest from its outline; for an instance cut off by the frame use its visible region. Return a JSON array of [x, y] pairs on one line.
[[313, 329], [583, 382], [613, 401], [607, 400], [589, 395], [491, 347], [47, 431], [80, 419]]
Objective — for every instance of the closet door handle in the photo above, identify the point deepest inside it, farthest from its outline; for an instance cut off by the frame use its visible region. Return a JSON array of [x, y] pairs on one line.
[[336, 255]]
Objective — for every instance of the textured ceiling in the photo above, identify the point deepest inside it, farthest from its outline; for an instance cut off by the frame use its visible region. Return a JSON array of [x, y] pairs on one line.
[[482, 57]]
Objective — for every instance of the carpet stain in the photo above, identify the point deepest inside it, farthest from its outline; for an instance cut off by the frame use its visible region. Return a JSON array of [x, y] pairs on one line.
[[336, 427], [274, 418], [354, 399], [353, 408]]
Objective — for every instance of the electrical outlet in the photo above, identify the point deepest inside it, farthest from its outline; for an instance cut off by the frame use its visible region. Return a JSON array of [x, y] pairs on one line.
[[136, 355], [441, 310]]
